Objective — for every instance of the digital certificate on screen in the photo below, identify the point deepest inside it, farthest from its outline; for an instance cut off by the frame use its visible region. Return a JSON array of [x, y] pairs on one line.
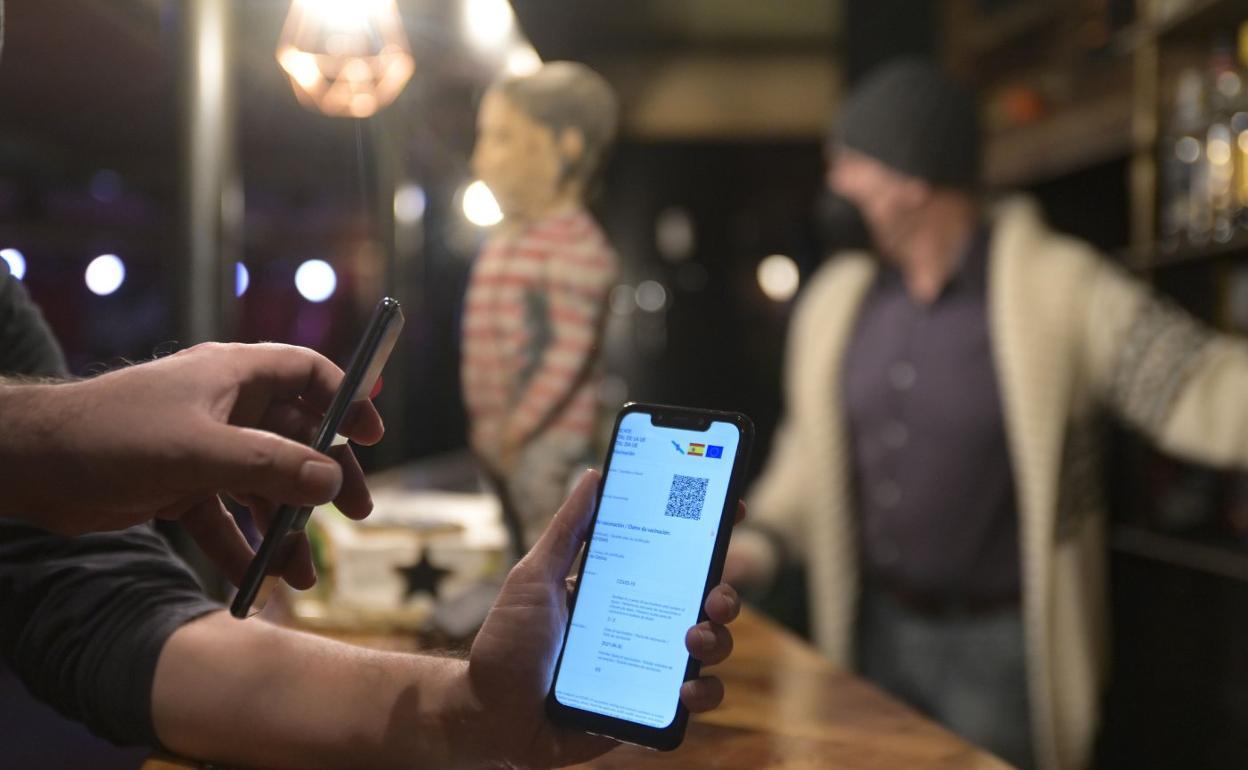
[[645, 570]]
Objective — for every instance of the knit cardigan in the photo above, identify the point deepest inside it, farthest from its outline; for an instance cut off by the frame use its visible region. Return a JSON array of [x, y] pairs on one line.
[[1073, 337]]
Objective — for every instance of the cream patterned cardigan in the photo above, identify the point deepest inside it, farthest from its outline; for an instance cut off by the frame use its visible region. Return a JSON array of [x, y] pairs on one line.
[[1073, 337]]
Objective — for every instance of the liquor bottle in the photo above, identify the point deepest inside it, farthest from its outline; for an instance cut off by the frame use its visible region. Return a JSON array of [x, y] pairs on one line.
[[1199, 212], [1182, 158], [1239, 133], [1225, 91]]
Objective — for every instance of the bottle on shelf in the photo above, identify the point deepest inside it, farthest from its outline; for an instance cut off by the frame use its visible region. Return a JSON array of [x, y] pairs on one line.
[[1185, 212], [1225, 88], [1239, 135]]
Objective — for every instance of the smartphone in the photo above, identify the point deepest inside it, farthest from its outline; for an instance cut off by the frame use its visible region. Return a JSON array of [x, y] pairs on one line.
[[367, 361], [656, 546]]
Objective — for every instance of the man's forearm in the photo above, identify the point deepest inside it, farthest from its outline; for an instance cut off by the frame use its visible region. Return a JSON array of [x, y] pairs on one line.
[[254, 694], [34, 424]]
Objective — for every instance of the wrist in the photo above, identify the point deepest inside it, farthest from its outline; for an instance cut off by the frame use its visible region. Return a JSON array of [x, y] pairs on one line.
[[447, 719]]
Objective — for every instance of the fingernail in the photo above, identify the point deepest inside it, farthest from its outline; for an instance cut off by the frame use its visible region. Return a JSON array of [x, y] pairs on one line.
[[706, 638], [321, 476]]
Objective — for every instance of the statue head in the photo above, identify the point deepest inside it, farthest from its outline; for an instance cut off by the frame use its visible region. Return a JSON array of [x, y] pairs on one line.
[[542, 138]]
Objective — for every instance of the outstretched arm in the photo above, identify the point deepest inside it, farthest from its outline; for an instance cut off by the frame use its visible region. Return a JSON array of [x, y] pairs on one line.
[[254, 694]]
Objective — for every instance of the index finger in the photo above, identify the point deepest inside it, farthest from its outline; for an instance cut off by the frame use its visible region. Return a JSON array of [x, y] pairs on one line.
[[287, 372]]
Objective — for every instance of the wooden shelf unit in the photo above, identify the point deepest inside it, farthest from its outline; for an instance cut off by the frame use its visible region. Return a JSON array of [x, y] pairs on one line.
[[1115, 103], [1116, 109], [1221, 556]]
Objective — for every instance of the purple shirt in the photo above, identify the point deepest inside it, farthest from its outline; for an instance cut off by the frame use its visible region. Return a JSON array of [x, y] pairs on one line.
[[931, 466]]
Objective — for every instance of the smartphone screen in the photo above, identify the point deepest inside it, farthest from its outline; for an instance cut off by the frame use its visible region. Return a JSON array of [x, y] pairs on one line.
[[646, 568]]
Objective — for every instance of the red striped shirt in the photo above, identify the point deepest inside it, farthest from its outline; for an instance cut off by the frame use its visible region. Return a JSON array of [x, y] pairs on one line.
[[547, 284]]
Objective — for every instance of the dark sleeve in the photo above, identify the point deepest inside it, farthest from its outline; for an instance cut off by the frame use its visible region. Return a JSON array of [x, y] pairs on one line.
[[83, 621], [26, 343]]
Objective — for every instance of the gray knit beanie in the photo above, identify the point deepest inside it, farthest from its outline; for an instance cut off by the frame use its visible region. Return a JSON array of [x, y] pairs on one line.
[[910, 117]]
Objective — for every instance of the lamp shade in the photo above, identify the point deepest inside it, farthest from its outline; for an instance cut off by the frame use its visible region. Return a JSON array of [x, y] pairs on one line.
[[345, 57]]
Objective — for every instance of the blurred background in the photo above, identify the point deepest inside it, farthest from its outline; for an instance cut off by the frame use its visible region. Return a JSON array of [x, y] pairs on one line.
[[161, 183]]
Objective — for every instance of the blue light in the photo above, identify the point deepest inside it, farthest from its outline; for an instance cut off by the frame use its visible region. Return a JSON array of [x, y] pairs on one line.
[[242, 279]]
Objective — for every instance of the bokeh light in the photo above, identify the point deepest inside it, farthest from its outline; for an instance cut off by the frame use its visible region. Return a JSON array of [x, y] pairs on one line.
[[409, 204], [242, 279], [105, 274], [316, 280], [17, 262], [480, 207], [487, 23], [778, 277]]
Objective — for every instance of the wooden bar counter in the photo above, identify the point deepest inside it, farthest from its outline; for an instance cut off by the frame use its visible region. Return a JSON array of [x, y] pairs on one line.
[[786, 708]]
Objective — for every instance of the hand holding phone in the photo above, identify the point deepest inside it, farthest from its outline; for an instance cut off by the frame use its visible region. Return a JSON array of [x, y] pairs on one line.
[[513, 656], [656, 547]]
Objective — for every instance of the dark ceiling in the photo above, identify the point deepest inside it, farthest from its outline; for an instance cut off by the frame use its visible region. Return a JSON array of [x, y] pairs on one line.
[[89, 84]]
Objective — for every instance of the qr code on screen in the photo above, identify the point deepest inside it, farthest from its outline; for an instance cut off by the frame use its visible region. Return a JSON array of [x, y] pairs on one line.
[[686, 498]]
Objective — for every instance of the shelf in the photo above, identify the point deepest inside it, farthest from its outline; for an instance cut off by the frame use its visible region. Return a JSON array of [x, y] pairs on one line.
[[1201, 19], [1007, 25], [1185, 255], [1075, 138], [1223, 558], [1198, 22]]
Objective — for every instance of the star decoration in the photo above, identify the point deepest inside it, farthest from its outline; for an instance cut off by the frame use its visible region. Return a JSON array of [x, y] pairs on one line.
[[422, 577]]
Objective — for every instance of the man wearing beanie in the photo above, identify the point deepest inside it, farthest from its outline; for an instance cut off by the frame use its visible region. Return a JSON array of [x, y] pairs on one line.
[[937, 468]]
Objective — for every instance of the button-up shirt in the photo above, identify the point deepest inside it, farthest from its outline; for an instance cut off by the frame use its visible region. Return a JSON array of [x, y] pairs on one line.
[[933, 482]]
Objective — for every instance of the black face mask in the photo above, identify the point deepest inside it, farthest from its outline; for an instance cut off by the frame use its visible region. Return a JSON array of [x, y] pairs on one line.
[[840, 225]]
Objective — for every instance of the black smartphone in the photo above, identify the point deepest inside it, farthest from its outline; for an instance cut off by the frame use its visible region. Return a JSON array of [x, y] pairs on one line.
[[367, 361], [656, 546]]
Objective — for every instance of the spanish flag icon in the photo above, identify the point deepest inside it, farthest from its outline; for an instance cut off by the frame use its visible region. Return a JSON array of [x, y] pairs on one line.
[[697, 450]]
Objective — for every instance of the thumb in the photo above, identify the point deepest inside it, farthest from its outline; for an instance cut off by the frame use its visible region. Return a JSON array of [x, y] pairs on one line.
[[559, 544], [247, 461]]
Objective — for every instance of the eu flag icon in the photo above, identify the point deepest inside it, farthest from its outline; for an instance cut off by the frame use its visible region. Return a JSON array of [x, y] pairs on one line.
[[715, 451]]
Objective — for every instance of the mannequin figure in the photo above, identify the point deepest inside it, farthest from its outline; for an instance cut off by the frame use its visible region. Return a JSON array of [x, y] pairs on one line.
[[533, 322]]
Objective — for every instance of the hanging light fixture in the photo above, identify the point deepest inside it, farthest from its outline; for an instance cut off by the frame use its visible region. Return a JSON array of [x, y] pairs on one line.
[[345, 57]]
